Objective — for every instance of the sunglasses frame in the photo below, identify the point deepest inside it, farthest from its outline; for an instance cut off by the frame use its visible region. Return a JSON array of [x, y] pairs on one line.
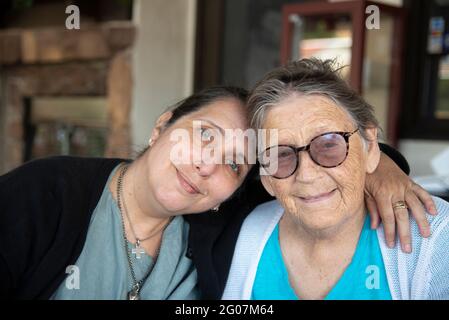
[[345, 134]]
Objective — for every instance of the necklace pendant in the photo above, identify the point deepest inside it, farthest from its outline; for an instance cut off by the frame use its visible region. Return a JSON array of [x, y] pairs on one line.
[[134, 293], [138, 250]]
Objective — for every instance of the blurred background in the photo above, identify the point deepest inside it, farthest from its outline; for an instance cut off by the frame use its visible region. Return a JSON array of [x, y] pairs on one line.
[[97, 91]]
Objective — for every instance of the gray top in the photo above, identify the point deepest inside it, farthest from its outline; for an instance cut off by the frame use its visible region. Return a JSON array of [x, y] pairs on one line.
[[102, 271]]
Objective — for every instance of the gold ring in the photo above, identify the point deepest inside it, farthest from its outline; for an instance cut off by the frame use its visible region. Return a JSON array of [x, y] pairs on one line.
[[400, 205]]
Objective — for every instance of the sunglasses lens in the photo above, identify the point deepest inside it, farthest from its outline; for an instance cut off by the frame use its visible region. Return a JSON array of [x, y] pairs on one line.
[[328, 150], [279, 161]]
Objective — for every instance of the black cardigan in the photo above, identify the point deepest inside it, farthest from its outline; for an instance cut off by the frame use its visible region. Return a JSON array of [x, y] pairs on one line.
[[45, 210]]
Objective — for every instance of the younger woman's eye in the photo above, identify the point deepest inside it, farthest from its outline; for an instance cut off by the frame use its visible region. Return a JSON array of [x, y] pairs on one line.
[[234, 166], [206, 135]]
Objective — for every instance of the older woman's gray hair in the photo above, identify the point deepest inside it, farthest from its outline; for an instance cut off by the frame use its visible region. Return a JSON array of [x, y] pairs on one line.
[[309, 76]]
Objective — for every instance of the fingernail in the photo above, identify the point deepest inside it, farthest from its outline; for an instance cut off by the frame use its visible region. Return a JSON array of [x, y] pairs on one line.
[[407, 248], [391, 245]]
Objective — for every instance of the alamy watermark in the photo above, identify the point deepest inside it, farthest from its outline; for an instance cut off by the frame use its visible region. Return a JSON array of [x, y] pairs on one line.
[[73, 20], [72, 282], [372, 281], [373, 20], [205, 145]]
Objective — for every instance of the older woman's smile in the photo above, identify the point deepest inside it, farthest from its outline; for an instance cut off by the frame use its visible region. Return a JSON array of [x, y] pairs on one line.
[[317, 197]]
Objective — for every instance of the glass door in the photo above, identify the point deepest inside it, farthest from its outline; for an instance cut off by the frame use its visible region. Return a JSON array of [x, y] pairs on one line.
[[371, 56]]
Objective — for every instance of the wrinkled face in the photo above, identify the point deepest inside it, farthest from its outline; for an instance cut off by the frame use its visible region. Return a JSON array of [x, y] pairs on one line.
[[320, 198], [197, 185]]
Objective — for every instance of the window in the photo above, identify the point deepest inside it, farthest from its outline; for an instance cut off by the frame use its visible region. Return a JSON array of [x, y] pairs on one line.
[[65, 126], [425, 112]]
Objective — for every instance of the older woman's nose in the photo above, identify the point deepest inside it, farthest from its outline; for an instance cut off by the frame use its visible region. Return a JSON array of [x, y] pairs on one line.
[[307, 170]]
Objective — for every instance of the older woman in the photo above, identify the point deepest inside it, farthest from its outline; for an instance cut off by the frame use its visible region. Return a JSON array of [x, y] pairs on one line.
[[314, 240]]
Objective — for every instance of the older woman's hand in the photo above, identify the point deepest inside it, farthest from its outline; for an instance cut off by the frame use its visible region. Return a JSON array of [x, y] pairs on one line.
[[385, 187]]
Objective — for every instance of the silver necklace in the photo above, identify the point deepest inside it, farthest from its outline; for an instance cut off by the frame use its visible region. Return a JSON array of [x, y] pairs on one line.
[[134, 293], [138, 251]]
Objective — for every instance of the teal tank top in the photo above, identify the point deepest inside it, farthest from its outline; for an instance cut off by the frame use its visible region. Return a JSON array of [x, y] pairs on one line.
[[364, 279]]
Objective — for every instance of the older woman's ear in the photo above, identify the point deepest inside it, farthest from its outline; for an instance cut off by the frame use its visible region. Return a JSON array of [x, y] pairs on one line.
[[161, 123], [373, 151]]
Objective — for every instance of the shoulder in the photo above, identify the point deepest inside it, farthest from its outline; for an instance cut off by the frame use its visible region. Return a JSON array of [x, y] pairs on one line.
[[423, 273], [435, 256], [441, 220], [439, 230], [45, 207], [266, 211], [263, 218], [41, 189], [270, 207], [52, 166], [53, 173], [439, 224], [254, 234]]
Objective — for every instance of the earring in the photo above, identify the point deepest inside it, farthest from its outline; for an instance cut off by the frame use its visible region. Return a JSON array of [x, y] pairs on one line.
[[150, 142], [216, 208]]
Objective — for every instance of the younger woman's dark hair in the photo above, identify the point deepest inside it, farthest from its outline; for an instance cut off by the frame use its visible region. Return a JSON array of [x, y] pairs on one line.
[[201, 99], [205, 97]]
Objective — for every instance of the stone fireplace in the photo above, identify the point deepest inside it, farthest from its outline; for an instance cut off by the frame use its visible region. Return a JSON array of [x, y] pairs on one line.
[[55, 64]]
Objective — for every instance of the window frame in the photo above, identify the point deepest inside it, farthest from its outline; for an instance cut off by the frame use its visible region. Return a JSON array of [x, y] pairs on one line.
[[421, 76]]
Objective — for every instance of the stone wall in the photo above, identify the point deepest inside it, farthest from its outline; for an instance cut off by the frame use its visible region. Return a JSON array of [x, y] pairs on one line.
[[94, 61]]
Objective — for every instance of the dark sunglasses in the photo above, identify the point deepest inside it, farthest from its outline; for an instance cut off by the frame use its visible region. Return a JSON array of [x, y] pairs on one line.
[[328, 150]]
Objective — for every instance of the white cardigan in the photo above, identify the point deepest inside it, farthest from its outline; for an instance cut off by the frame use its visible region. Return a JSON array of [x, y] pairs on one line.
[[422, 274]]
